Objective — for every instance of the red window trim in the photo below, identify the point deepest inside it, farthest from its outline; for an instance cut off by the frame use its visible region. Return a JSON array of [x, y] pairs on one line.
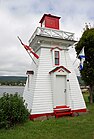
[[58, 58]]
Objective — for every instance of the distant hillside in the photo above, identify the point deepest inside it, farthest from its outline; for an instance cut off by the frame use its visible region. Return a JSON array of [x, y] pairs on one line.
[[21, 79], [12, 78]]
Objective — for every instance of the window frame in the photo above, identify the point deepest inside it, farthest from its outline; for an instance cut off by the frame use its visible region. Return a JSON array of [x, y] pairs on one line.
[[56, 57]]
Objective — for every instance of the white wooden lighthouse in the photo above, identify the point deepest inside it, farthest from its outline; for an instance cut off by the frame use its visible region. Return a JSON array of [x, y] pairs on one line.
[[52, 87]]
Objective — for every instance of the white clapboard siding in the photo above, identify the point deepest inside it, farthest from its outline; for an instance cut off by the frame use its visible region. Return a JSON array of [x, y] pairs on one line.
[[27, 95], [63, 59], [40, 95], [76, 97], [42, 98], [28, 90]]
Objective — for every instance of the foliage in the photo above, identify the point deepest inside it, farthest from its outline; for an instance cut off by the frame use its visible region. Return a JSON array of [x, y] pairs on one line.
[[92, 97], [81, 82], [81, 127], [12, 110], [87, 41]]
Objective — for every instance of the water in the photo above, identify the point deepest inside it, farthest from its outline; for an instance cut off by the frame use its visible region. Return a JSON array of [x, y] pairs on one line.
[[11, 90]]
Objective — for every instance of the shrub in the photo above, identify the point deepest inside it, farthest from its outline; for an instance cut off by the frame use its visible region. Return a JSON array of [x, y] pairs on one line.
[[12, 110]]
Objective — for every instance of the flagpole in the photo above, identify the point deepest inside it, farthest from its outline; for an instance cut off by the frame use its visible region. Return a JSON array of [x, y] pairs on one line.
[[31, 57], [26, 50], [74, 61]]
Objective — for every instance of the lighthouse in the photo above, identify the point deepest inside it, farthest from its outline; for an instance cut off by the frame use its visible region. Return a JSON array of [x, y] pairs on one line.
[[52, 87]]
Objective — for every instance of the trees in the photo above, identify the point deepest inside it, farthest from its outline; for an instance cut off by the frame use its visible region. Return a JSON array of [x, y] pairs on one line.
[[87, 41]]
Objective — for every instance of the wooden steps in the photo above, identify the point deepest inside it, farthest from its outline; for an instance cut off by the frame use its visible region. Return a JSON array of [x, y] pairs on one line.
[[60, 111]]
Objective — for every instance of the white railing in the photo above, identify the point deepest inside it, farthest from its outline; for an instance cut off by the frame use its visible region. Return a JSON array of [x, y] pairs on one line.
[[48, 32]]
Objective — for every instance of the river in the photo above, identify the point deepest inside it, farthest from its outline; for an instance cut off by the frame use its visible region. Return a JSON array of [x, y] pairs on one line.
[[11, 90]]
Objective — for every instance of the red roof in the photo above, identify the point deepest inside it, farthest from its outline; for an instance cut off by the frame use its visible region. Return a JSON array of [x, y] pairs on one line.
[[49, 15], [56, 47], [56, 68]]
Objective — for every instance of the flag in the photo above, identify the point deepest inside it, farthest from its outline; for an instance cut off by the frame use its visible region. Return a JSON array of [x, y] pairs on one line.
[[28, 48], [82, 58], [82, 54], [81, 64]]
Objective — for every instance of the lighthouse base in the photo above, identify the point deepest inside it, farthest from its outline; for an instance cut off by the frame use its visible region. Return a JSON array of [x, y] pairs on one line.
[[60, 111], [43, 116]]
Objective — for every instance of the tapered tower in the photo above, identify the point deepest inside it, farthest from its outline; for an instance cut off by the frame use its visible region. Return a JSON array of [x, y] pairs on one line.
[[52, 87]]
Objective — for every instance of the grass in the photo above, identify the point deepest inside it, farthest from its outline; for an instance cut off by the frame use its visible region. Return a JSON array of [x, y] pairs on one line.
[[81, 127]]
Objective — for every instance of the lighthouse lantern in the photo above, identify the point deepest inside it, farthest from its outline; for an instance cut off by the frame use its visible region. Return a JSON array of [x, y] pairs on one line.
[[50, 21]]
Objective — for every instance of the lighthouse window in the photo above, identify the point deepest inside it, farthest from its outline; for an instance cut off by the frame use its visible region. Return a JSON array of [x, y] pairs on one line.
[[56, 57]]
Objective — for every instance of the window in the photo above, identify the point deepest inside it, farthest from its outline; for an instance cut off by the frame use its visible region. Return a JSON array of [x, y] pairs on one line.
[[56, 57]]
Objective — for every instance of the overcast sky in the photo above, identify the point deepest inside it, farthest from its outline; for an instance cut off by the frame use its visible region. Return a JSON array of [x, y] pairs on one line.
[[21, 18]]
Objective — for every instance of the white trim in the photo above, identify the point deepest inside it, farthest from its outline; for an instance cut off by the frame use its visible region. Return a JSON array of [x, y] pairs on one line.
[[53, 77]]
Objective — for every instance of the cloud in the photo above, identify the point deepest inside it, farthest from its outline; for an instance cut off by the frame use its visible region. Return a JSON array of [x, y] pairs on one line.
[[11, 52], [20, 18]]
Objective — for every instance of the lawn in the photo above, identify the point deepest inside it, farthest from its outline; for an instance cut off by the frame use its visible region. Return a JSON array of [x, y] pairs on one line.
[[80, 127]]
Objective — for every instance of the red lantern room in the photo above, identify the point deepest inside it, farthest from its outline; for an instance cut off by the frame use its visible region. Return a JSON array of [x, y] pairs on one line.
[[50, 21]]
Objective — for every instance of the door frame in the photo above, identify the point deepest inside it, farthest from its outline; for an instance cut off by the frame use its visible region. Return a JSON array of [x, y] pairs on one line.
[[67, 99], [58, 99]]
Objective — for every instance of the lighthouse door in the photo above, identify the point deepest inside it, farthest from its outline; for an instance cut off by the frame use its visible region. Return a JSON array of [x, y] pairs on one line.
[[60, 90]]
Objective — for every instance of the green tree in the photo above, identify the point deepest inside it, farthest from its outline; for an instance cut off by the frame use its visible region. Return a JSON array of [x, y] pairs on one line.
[[87, 41]]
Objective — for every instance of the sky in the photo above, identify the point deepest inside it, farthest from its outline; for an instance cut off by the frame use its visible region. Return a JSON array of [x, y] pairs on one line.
[[21, 18]]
